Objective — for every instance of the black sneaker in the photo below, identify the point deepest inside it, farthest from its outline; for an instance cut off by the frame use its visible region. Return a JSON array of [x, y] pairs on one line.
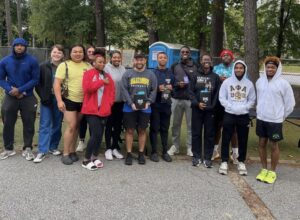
[[66, 160], [166, 157], [74, 157], [154, 157], [208, 163], [128, 160], [141, 158], [196, 162]]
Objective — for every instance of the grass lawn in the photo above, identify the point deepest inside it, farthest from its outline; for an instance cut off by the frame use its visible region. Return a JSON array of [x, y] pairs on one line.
[[289, 146], [291, 68]]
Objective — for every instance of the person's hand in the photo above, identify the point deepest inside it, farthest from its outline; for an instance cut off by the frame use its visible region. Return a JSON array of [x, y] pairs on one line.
[[133, 107], [19, 96], [222, 78], [61, 106], [169, 87], [202, 105], [161, 88], [14, 91], [106, 81], [147, 105]]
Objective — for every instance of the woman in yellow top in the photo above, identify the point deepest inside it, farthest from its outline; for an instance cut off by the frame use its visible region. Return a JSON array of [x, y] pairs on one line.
[[71, 73]]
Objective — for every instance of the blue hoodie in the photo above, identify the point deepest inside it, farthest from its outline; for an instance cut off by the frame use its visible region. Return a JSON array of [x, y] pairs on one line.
[[19, 70]]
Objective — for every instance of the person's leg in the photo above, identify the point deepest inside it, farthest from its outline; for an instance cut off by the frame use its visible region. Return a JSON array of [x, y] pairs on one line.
[[274, 155], [242, 129], [109, 131], [196, 133], [262, 149], [10, 107], [57, 117], [228, 128], [209, 135], [177, 114], [28, 106], [154, 128], [130, 121], [165, 117], [45, 128], [71, 132], [117, 124], [82, 128], [142, 124], [142, 139], [188, 118], [129, 139]]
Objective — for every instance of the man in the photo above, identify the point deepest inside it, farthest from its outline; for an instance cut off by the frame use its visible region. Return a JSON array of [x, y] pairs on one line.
[[139, 91], [237, 96], [114, 121], [275, 101], [205, 87], [161, 109], [224, 70], [181, 102], [19, 73]]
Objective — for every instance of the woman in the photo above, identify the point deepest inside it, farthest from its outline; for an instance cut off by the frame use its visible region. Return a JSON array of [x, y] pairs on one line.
[[99, 95], [50, 116], [70, 73]]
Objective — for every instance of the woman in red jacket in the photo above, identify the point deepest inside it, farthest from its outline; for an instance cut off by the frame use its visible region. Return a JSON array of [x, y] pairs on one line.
[[99, 95]]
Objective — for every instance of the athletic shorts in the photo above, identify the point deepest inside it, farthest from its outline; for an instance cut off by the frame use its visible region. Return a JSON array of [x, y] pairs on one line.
[[270, 130], [72, 106], [136, 119]]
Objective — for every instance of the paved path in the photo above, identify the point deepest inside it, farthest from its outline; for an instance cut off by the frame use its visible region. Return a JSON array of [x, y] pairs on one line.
[[161, 190]]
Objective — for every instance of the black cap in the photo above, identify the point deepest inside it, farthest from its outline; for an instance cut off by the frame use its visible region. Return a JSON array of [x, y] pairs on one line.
[[139, 55]]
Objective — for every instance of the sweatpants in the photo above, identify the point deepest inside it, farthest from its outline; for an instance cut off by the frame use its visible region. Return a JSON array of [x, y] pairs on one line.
[[10, 107], [114, 126], [97, 126], [241, 123], [180, 107], [202, 119], [159, 123]]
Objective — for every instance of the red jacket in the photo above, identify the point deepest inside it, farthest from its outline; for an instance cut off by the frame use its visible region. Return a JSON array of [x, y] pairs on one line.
[[90, 84]]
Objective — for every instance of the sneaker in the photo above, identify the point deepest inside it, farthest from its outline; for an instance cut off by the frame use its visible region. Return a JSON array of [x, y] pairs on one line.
[[173, 150], [141, 158], [39, 157], [166, 157], [81, 146], [117, 154], [234, 157], [7, 153], [128, 160], [208, 164], [215, 155], [270, 177], [154, 157], [242, 169], [27, 153], [108, 154], [55, 152], [65, 159], [223, 168], [74, 157], [189, 152], [89, 165], [196, 162], [262, 174]]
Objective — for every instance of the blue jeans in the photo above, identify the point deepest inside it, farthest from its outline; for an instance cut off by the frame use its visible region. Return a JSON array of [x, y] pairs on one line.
[[50, 127]]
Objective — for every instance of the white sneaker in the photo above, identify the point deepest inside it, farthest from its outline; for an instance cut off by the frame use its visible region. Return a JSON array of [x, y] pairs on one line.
[[39, 157], [7, 153], [27, 153], [223, 168], [173, 150], [81, 146], [117, 154], [55, 152], [189, 152], [234, 158], [242, 169], [215, 155], [108, 154]]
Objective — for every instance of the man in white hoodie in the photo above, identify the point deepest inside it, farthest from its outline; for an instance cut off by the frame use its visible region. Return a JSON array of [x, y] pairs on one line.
[[275, 101], [237, 95]]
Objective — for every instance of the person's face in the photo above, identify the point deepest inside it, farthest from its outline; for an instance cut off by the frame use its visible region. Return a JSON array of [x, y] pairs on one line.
[[99, 63], [77, 54], [226, 59], [139, 63], [116, 59], [56, 55], [90, 53], [206, 62], [162, 59], [271, 69], [239, 70], [19, 48], [185, 53]]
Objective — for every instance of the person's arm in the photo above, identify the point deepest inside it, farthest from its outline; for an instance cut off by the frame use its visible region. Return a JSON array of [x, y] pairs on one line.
[[34, 75], [89, 85], [251, 98], [193, 92], [215, 93], [57, 92], [3, 74], [124, 89], [288, 99], [153, 88], [223, 96]]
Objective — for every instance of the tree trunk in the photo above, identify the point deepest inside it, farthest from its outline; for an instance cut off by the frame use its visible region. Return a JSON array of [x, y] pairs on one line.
[[203, 10], [19, 16], [8, 22], [152, 33], [100, 31], [251, 39], [217, 32]]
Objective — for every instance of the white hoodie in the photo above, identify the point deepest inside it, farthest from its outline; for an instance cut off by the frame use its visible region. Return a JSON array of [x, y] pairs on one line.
[[275, 97], [237, 96]]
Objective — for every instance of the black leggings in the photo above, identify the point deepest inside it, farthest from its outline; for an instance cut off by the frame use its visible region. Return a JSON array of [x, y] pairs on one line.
[[97, 126]]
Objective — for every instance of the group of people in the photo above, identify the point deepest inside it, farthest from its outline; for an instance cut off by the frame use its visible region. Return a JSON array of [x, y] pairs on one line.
[[86, 91]]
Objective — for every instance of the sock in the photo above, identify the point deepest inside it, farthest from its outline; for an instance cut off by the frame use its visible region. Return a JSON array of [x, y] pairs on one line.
[[216, 147], [235, 150]]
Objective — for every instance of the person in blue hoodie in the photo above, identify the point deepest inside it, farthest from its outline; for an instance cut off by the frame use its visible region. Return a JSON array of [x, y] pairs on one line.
[[19, 74]]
